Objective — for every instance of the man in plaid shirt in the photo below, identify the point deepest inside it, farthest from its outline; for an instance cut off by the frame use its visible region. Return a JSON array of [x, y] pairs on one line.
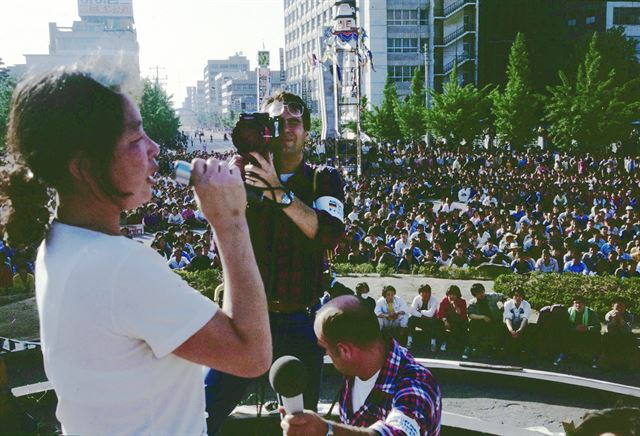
[[301, 217], [386, 392]]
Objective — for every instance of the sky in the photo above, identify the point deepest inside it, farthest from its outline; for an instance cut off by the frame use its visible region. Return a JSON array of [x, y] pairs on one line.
[[176, 36]]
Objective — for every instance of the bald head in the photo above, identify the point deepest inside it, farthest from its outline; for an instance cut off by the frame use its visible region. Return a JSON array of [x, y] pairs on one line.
[[346, 319]]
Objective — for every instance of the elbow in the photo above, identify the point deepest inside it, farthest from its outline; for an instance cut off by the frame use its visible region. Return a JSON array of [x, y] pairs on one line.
[[259, 362]]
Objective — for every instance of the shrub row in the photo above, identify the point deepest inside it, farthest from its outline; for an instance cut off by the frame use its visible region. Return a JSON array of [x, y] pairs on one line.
[[204, 281], [599, 291], [488, 272]]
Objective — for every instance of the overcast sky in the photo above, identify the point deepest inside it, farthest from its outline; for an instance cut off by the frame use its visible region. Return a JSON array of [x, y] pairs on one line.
[[178, 36]]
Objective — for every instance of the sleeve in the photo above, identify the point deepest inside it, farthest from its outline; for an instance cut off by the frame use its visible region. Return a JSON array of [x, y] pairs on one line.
[[527, 310], [433, 306], [416, 410], [472, 309], [329, 206], [414, 309], [152, 303], [379, 306], [506, 311]]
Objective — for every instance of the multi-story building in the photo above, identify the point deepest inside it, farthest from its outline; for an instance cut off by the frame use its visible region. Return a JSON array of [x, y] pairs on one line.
[[627, 15], [400, 34], [104, 38], [240, 93], [236, 64]]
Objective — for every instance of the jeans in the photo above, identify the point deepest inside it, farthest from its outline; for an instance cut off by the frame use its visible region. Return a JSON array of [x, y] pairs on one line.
[[292, 334]]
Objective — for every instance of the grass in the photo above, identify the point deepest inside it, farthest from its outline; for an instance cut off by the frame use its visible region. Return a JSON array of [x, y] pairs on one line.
[[19, 319]]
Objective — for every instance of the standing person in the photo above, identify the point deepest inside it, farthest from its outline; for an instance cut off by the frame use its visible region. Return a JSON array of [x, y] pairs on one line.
[[385, 390], [290, 242], [123, 337]]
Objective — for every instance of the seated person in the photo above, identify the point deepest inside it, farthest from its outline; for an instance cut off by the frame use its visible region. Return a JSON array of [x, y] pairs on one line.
[[423, 315], [452, 311], [200, 261], [547, 264], [393, 314], [618, 343], [485, 321], [362, 292], [583, 335], [178, 260], [516, 313]]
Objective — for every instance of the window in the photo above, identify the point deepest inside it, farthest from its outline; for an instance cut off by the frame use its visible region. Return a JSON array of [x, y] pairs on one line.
[[401, 73], [571, 22], [626, 16], [402, 17], [590, 20], [402, 45]]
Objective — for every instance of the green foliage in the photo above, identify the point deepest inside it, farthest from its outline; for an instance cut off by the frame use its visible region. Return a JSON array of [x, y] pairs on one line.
[[592, 112], [458, 112], [7, 85], [343, 269], [516, 109], [158, 117], [410, 114], [316, 125], [347, 268], [384, 124], [204, 281], [545, 289], [367, 117]]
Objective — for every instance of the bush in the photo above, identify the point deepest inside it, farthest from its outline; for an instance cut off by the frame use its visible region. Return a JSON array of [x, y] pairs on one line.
[[204, 281], [421, 270], [545, 289]]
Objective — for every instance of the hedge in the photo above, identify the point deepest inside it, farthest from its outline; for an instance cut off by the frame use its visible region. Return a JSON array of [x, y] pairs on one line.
[[487, 272], [545, 289], [204, 281]]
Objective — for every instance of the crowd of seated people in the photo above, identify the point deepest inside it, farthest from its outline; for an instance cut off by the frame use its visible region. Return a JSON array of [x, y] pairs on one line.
[[493, 325], [523, 211]]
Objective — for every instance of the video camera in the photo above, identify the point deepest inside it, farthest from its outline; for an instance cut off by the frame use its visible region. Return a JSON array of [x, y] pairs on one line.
[[256, 132]]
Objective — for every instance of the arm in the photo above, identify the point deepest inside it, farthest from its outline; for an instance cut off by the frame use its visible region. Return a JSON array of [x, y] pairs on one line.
[[312, 424], [237, 339], [326, 230]]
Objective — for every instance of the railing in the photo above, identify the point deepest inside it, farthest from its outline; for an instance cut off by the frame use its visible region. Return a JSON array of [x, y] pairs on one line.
[[447, 39], [451, 9], [460, 59]]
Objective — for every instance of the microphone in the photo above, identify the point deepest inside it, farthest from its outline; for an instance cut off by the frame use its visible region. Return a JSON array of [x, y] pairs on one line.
[[288, 377], [182, 172]]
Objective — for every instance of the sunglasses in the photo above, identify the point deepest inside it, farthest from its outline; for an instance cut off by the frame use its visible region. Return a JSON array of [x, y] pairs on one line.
[[277, 108]]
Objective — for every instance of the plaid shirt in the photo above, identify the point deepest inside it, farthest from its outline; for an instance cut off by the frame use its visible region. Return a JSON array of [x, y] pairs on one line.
[[403, 385], [291, 264]]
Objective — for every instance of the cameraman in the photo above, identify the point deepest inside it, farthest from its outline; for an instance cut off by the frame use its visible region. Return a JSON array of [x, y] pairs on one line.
[[300, 219]]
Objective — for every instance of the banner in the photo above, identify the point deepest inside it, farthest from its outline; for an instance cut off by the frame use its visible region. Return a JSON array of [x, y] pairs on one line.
[[264, 85], [263, 58]]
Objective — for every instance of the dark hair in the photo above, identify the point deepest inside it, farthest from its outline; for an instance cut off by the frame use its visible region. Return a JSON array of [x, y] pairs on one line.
[[454, 290], [387, 288], [424, 288], [520, 292], [287, 97], [347, 319], [477, 289], [362, 285], [53, 118], [620, 421]]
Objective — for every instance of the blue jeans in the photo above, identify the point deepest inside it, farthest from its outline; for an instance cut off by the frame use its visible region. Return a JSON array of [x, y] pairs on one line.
[[292, 335]]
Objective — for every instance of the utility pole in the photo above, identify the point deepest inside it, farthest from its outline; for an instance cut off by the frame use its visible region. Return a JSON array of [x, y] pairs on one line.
[[160, 81]]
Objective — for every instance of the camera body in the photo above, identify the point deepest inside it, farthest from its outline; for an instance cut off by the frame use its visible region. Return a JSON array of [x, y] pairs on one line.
[[256, 132]]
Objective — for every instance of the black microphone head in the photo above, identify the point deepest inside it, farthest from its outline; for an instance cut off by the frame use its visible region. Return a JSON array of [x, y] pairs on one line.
[[288, 376]]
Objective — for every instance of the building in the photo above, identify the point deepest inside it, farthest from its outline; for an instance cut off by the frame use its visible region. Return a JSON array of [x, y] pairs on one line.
[[627, 15], [104, 39], [239, 93], [400, 34], [236, 64]]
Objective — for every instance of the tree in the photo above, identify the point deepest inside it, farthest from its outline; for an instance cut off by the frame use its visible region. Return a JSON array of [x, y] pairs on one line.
[[159, 119], [385, 125], [458, 112], [410, 114], [516, 109], [592, 112], [7, 85]]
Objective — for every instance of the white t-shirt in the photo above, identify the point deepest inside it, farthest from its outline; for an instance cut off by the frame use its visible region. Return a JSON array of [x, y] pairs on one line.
[[111, 314], [361, 390]]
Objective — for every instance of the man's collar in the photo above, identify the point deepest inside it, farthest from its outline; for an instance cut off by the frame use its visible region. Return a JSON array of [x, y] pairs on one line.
[[389, 370]]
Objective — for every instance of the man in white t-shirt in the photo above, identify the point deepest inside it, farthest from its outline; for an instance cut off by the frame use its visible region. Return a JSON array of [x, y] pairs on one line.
[[517, 312], [385, 390]]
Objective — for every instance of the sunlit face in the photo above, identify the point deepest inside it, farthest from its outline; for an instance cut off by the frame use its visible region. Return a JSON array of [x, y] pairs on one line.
[[425, 295], [389, 296], [517, 298], [578, 305], [293, 136], [133, 165]]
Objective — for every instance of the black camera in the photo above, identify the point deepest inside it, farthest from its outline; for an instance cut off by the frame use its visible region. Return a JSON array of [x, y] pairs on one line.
[[256, 132]]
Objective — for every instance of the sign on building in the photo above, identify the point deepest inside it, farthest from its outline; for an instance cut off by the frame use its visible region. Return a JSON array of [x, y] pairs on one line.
[[264, 84], [263, 58], [105, 8]]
